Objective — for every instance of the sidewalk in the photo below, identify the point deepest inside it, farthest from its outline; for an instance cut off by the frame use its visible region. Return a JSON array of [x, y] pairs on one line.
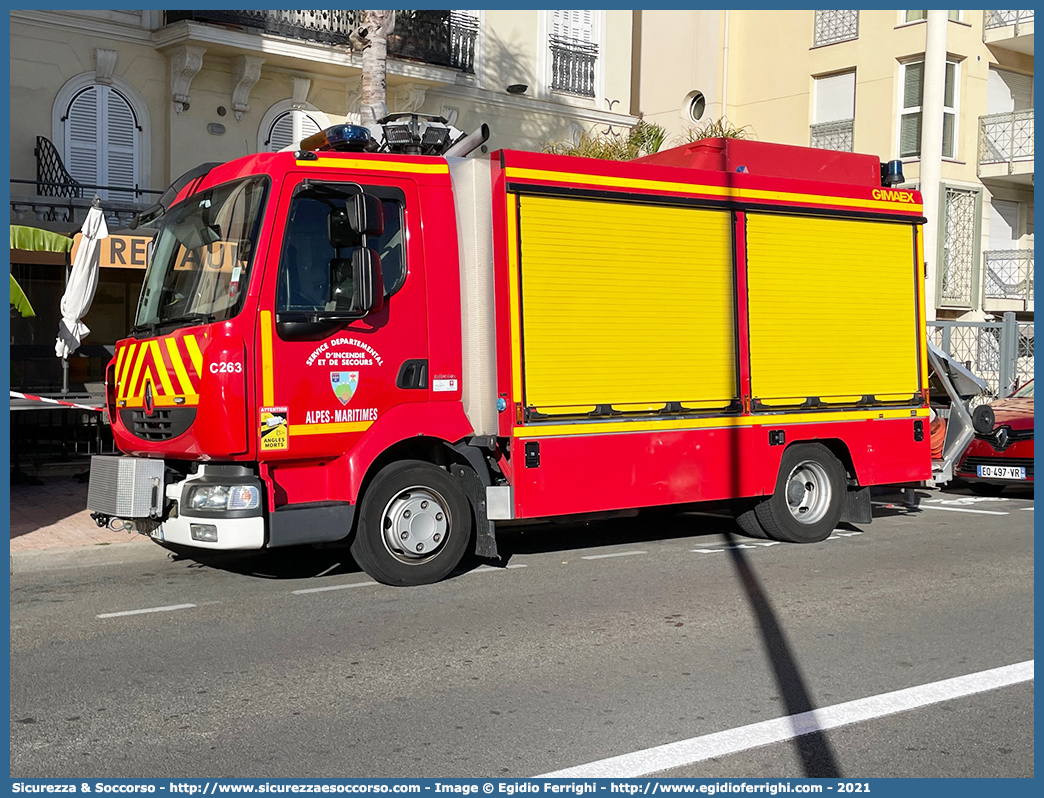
[[54, 516]]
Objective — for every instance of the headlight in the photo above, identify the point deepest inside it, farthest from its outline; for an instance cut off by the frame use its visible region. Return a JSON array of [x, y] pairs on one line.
[[223, 497]]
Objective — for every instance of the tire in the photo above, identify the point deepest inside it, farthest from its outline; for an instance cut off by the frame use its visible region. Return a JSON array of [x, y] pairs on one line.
[[985, 488], [743, 510], [414, 525], [806, 504]]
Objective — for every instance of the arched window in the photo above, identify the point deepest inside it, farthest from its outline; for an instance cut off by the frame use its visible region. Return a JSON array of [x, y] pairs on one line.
[[283, 125], [101, 141], [289, 128]]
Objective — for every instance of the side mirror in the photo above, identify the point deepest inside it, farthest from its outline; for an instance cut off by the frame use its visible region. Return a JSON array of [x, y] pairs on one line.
[[356, 284], [339, 230], [368, 288], [366, 215]]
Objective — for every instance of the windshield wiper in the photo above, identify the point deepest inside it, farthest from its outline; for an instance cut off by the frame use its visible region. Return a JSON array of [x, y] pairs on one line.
[[201, 318], [148, 327]]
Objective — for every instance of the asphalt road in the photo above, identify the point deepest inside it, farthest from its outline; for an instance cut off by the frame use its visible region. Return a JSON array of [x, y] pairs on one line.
[[595, 642]]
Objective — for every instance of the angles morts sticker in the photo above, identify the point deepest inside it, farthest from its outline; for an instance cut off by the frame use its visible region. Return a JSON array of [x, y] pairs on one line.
[[273, 431], [344, 384]]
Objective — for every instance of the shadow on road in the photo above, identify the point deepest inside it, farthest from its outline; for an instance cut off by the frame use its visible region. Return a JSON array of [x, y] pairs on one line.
[[306, 562], [814, 749]]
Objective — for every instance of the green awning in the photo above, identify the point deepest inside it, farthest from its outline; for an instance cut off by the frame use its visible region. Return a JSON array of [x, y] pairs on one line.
[[33, 239], [20, 300]]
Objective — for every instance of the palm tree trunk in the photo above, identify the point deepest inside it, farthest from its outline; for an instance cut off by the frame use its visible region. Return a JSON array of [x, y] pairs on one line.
[[374, 103]]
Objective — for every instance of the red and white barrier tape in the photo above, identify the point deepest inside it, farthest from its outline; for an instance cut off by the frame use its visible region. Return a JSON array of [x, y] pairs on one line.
[[16, 395]]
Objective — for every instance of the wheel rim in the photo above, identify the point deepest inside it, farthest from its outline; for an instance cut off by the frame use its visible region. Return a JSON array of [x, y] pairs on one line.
[[415, 525], [808, 492]]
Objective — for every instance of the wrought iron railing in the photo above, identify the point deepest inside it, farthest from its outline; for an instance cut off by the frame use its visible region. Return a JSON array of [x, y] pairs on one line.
[[1009, 275], [1006, 138], [573, 66], [442, 38], [837, 135], [55, 196], [1002, 19], [835, 26], [52, 178]]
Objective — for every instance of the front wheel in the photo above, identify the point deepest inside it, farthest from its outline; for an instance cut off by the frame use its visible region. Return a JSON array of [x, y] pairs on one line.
[[806, 505], [414, 525]]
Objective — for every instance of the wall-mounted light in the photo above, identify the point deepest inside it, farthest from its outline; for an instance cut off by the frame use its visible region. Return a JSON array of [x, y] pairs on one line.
[[517, 88]]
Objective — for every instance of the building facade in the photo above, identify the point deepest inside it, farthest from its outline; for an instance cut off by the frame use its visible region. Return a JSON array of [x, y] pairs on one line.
[[118, 104], [948, 93]]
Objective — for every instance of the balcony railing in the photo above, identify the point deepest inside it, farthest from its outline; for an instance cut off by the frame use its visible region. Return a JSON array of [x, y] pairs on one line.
[[835, 26], [573, 64], [1009, 275], [441, 38], [1002, 19], [55, 197], [1006, 138], [837, 135]]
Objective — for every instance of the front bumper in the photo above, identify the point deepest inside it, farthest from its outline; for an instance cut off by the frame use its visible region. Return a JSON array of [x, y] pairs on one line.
[[224, 530], [154, 498], [980, 452]]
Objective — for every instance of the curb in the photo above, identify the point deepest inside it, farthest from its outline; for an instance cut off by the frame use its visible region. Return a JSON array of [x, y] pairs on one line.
[[84, 556]]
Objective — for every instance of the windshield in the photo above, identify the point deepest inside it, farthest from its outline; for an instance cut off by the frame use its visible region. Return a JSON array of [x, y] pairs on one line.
[[200, 259], [1025, 392]]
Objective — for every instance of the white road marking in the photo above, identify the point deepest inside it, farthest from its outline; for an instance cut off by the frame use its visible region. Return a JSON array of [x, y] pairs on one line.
[[325, 571], [486, 569], [1030, 509], [171, 608], [699, 749], [330, 587], [962, 510], [614, 554]]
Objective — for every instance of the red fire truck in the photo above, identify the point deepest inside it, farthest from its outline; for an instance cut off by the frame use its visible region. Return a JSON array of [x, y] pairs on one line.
[[402, 351]]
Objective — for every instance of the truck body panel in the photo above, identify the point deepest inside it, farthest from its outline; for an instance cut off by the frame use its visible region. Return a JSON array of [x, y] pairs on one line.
[[588, 336]]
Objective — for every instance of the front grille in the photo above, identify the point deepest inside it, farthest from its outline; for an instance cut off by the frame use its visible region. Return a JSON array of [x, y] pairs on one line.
[[970, 465], [162, 425], [1003, 437]]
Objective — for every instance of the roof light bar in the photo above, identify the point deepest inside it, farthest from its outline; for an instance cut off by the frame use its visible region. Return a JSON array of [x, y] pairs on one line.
[[339, 138]]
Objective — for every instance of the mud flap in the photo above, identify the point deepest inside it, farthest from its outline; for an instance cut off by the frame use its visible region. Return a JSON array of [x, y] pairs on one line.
[[856, 506], [485, 535]]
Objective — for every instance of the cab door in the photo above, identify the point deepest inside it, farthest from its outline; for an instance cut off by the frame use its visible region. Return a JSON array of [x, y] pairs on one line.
[[324, 381]]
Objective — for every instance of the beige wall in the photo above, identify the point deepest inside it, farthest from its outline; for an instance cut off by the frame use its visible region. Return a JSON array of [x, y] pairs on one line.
[[50, 48]]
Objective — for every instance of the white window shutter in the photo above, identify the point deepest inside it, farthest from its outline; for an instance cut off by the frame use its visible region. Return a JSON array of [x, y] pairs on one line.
[[121, 152], [289, 128], [573, 25], [306, 126], [1008, 91], [1004, 225], [81, 137], [281, 133], [835, 98]]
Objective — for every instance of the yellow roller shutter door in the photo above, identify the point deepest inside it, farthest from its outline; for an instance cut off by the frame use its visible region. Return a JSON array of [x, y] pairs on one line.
[[832, 309], [626, 305]]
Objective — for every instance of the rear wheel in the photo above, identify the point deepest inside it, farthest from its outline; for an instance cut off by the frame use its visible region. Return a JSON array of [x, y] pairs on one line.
[[805, 506], [745, 513], [414, 525]]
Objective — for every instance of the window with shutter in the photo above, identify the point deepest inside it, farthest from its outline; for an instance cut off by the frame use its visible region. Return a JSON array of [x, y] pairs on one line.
[[102, 141], [289, 128], [910, 110], [833, 115], [1007, 92], [574, 52]]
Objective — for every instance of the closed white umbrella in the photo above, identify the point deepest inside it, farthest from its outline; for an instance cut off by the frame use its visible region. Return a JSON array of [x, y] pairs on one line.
[[83, 282]]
